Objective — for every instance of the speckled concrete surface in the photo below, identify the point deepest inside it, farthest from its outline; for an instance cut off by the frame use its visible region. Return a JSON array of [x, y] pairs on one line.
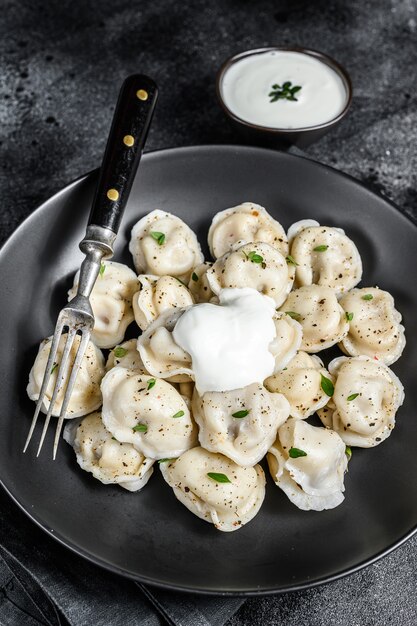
[[62, 64]]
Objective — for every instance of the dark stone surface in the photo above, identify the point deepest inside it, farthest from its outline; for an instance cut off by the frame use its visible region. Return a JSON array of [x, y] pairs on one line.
[[62, 65]]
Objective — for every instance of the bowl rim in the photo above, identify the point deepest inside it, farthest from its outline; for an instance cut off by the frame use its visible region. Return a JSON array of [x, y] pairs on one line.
[[317, 54]]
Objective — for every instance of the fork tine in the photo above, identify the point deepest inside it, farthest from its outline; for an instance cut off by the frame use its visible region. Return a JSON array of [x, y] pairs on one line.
[[47, 375], [85, 336], [62, 372]]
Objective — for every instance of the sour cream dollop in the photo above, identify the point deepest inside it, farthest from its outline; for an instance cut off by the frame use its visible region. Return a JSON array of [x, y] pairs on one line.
[[247, 83], [229, 343]]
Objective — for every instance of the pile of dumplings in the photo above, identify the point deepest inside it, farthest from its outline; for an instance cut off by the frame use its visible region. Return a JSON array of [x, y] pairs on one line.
[[139, 409]]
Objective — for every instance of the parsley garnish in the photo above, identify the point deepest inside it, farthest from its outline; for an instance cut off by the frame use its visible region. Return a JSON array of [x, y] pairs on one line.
[[254, 257], [349, 316], [194, 277], [296, 452], [102, 269], [166, 460], [327, 386], [219, 478], [151, 383], [292, 314], [53, 368], [240, 414], [159, 237], [352, 397], [179, 414], [322, 248], [290, 260], [119, 352], [140, 428], [348, 452], [367, 296], [286, 91]]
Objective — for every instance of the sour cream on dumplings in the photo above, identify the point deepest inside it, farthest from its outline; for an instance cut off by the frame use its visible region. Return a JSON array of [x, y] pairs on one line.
[[247, 83], [229, 343]]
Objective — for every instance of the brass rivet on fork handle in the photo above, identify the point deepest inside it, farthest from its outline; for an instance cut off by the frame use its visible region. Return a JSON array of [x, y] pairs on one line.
[[132, 118]]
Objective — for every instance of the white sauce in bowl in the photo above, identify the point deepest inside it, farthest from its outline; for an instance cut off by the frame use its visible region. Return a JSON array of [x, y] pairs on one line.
[[229, 343], [247, 83]]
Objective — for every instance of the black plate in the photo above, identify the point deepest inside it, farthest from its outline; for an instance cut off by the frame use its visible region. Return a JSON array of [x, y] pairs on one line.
[[150, 536]]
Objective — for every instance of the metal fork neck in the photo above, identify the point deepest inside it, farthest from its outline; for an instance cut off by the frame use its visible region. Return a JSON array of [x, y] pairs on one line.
[[96, 245]]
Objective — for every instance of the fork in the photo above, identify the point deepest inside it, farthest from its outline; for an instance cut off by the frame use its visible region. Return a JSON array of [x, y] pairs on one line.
[[124, 148]]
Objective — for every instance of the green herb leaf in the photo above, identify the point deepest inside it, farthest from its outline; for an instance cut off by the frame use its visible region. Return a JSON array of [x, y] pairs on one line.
[[293, 315], [159, 237], [166, 460], [102, 269], [53, 368], [296, 452], [151, 383], [114, 438], [349, 316], [194, 277], [119, 352], [348, 452], [322, 248], [286, 91], [352, 397], [290, 260], [254, 257], [240, 414], [367, 296], [327, 386], [179, 414], [219, 478], [140, 428]]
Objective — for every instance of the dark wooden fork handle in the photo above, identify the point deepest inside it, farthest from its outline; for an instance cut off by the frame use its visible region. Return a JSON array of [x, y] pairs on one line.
[[124, 148]]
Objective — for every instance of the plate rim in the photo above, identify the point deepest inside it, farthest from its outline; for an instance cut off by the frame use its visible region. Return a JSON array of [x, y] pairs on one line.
[[144, 579]]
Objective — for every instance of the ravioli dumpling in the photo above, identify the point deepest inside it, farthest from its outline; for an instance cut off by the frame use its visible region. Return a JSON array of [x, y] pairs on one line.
[[367, 395], [147, 412], [308, 463], [241, 424], [375, 327], [300, 383], [325, 256], [161, 355], [86, 395], [111, 301], [162, 244], [126, 355], [289, 335], [156, 295], [215, 488], [323, 320], [246, 223], [108, 460], [256, 265], [199, 285]]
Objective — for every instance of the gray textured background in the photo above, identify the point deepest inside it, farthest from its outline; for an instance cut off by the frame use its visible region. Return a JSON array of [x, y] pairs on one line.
[[62, 63]]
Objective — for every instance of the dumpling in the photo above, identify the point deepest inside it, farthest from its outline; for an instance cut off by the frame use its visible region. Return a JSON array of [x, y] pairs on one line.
[[300, 383], [246, 223], [308, 464], [374, 325], [289, 335], [156, 295], [162, 244], [108, 460], [199, 285], [325, 256], [111, 301], [161, 355], [126, 355], [215, 488], [255, 265], [323, 320], [367, 395], [147, 412], [241, 424], [86, 395]]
